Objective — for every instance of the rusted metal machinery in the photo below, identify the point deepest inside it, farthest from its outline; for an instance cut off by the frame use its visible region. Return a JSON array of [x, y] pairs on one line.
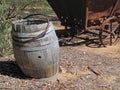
[[101, 15]]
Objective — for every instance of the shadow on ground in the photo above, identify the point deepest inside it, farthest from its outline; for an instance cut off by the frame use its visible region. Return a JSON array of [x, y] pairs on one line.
[[66, 38], [11, 69]]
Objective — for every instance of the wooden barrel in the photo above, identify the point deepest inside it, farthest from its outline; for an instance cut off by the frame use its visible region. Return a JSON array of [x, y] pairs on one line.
[[37, 57]]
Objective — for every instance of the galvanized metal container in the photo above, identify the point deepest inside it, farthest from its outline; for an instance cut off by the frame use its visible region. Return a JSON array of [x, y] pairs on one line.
[[37, 57]]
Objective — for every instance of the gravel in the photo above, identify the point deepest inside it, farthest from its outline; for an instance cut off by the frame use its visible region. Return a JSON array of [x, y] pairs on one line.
[[80, 71]]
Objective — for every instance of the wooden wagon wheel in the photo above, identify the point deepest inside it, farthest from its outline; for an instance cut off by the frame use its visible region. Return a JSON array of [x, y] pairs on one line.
[[107, 34]]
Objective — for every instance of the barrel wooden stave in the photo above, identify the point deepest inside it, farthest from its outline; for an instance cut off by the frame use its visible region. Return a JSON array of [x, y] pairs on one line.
[[39, 64], [39, 58]]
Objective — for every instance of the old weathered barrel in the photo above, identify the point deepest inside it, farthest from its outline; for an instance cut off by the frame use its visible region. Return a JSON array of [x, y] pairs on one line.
[[36, 48]]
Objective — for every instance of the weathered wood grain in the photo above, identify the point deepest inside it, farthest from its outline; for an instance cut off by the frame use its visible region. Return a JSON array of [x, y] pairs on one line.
[[39, 58]]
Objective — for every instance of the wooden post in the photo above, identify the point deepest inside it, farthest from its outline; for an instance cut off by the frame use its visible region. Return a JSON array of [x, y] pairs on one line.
[[110, 32]]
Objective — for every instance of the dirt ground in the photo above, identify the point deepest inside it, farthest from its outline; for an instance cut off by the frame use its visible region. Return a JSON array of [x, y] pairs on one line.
[[83, 68], [109, 51]]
